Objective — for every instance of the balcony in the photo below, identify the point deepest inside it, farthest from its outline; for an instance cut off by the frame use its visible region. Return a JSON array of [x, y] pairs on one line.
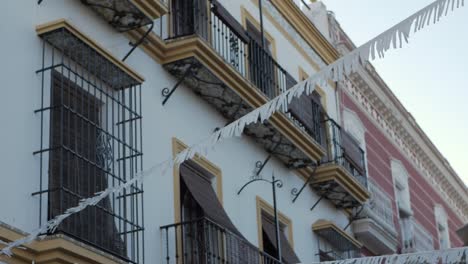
[[342, 176], [376, 229], [204, 241], [126, 15], [415, 237], [334, 243], [211, 53]]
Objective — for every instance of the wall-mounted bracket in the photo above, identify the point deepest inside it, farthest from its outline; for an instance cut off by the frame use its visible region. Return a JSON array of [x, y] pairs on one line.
[[317, 202], [296, 192], [355, 216], [139, 42], [259, 165], [166, 93]]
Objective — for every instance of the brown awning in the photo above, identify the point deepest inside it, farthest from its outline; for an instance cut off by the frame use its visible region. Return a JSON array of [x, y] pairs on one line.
[[197, 181], [288, 254]]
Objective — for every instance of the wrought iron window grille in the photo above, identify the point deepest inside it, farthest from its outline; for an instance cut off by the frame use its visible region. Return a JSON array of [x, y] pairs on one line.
[[90, 139]]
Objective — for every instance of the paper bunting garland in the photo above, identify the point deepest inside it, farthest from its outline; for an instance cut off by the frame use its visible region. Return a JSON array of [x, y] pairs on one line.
[[447, 256]]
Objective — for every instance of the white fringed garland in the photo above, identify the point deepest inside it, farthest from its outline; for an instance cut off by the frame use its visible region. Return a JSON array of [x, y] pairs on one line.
[[446, 256], [394, 37]]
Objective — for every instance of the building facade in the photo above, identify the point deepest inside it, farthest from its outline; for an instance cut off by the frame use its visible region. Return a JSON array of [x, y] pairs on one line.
[[85, 111]]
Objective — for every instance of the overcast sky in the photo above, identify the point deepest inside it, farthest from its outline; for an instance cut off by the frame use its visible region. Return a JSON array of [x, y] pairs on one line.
[[429, 76]]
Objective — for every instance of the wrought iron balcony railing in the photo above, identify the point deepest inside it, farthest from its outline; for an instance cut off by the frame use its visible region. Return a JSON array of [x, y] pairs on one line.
[[203, 241], [242, 51], [345, 151], [380, 207], [415, 237]]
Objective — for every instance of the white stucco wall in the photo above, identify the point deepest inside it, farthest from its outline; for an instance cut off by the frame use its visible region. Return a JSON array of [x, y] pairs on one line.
[[185, 116]]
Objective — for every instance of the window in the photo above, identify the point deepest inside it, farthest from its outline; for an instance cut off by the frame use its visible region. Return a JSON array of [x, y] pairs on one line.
[[307, 110], [207, 232], [269, 240], [90, 140], [402, 192], [75, 129], [190, 17], [267, 233], [355, 141], [334, 243], [442, 227]]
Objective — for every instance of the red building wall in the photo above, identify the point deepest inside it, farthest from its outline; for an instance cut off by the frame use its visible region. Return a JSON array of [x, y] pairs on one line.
[[424, 197]]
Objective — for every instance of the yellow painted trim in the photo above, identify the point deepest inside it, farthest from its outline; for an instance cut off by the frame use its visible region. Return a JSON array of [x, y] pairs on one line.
[[246, 16], [151, 8], [175, 50], [177, 147], [339, 175], [54, 249], [307, 29], [62, 23], [325, 224], [264, 206]]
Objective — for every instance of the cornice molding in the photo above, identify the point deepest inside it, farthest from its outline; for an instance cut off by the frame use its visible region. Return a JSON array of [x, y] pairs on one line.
[[307, 29]]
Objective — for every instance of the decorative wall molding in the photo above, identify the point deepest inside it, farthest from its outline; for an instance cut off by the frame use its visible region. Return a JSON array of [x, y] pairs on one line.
[[295, 35], [391, 121]]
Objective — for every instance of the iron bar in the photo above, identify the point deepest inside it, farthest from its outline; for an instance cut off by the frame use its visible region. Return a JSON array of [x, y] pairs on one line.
[[295, 192], [94, 142], [274, 184], [317, 202], [260, 165], [166, 93], [262, 33], [275, 209], [139, 42], [355, 217]]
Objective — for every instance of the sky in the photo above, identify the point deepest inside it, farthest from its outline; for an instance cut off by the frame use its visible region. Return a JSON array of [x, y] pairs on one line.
[[429, 76]]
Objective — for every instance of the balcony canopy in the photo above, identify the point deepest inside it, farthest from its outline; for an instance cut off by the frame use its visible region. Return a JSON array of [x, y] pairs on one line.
[[126, 15], [88, 54]]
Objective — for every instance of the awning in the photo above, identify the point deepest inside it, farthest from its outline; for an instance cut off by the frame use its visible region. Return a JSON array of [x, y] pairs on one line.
[[336, 236], [197, 181], [288, 254]]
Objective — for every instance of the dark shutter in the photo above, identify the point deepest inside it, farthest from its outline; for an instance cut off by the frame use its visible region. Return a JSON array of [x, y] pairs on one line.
[[229, 20], [289, 256], [352, 151], [198, 184], [190, 17], [290, 81], [307, 109], [74, 170]]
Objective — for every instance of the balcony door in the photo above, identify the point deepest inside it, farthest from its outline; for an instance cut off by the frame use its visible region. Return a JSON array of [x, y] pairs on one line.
[[190, 17]]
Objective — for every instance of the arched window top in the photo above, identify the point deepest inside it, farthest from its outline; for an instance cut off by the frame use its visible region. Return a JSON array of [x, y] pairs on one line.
[[400, 174], [354, 126]]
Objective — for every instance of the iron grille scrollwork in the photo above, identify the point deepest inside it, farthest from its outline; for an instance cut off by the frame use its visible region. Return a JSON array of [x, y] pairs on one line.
[[90, 140]]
